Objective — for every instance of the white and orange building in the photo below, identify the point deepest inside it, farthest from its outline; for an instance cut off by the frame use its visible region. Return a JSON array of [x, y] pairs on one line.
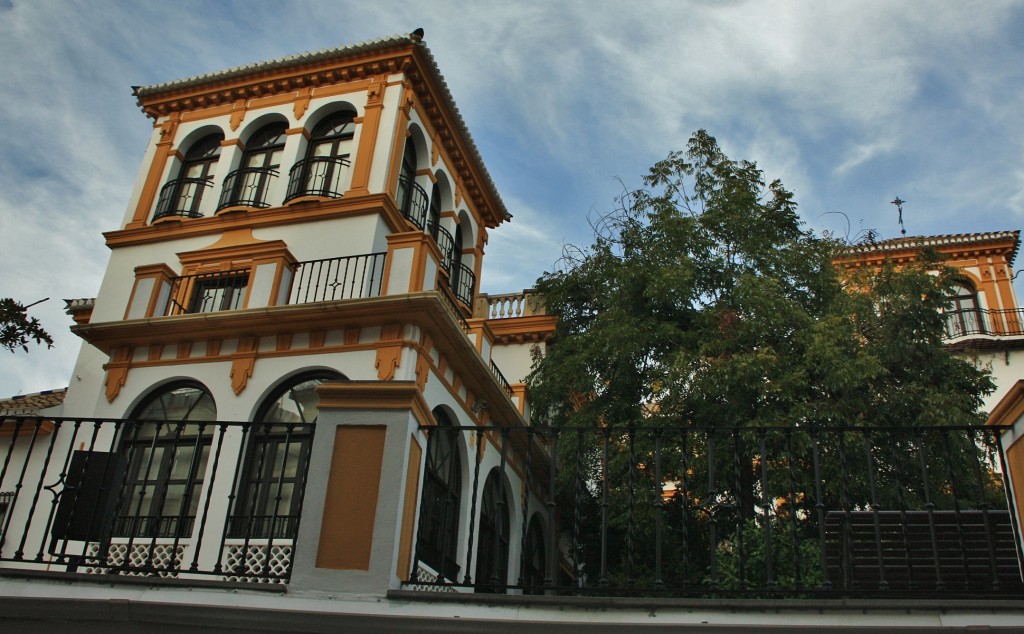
[[290, 328]]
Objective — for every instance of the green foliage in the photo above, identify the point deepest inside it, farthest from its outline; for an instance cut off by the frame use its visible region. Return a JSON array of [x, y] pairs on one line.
[[704, 301], [17, 328], [794, 554]]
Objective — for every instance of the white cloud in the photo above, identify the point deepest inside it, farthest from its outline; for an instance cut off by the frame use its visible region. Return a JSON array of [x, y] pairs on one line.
[[848, 102]]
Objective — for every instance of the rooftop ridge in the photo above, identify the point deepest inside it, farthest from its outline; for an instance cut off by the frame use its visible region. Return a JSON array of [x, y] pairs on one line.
[[279, 62], [909, 242]]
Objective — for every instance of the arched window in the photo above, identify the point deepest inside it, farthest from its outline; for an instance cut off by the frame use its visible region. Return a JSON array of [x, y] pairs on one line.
[[183, 195], [492, 547], [434, 214], [277, 445], [322, 172], [247, 186], [166, 443], [962, 314], [440, 504], [412, 199], [534, 560], [456, 260]]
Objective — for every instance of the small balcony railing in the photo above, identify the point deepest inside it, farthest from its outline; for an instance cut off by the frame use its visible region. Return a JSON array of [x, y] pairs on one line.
[[976, 321], [413, 201], [766, 512], [247, 187], [502, 381], [181, 197], [338, 278], [151, 498], [317, 176], [446, 244], [463, 281], [207, 292]]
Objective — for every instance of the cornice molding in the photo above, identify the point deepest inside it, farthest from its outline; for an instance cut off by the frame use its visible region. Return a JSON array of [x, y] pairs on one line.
[[425, 310]]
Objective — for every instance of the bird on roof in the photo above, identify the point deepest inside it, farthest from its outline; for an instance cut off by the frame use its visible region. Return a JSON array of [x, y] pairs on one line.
[[417, 35]]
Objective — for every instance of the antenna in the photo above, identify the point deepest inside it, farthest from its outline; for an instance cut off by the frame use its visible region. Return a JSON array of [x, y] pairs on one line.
[[899, 210]]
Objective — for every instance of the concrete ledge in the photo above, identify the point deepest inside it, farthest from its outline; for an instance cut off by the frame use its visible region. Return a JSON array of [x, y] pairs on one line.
[[733, 604], [81, 578]]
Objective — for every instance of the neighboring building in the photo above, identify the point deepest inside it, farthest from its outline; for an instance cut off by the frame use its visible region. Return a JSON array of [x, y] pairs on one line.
[[983, 321], [290, 328]]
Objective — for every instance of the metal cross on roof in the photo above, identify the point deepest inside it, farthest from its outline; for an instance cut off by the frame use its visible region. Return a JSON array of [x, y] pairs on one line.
[[899, 209]]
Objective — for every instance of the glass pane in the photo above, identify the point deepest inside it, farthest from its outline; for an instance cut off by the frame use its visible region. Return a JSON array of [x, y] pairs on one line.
[[286, 459], [182, 463], [173, 499]]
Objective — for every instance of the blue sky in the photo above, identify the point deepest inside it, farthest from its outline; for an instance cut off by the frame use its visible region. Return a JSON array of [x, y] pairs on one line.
[[849, 103]]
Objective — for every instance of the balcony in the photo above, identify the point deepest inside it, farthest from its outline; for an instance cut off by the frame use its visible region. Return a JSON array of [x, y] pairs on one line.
[[463, 282], [322, 176], [331, 279], [247, 187], [413, 202], [159, 499], [338, 278], [976, 322], [446, 244], [207, 292], [181, 197]]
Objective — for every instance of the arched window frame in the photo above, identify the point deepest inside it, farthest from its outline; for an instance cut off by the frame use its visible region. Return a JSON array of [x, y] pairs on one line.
[[166, 443], [183, 195], [325, 167], [534, 557], [441, 499], [962, 313], [493, 543], [267, 501], [434, 212], [249, 184], [411, 198]]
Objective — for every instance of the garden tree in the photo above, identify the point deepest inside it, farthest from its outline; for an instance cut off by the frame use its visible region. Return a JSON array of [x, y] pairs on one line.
[[17, 328], [703, 300], [704, 304]]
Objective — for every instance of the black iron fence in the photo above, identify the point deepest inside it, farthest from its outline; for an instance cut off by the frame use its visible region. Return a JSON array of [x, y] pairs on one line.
[[413, 201], [317, 176], [152, 498], [976, 321], [207, 292], [338, 278], [181, 197], [463, 281], [247, 187], [755, 512]]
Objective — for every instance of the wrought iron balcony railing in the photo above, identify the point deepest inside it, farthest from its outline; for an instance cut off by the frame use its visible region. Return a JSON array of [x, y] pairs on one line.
[[463, 281], [324, 280], [207, 292], [747, 512], [181, 197], [317, 176], [338, 278], [502, 381], [152, 498], [977, 321], [446, 244], [247, 187], [413, 201]]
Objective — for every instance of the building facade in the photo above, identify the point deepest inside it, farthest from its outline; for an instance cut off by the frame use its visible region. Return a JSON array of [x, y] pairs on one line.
[[294, 409], [303, 244]]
